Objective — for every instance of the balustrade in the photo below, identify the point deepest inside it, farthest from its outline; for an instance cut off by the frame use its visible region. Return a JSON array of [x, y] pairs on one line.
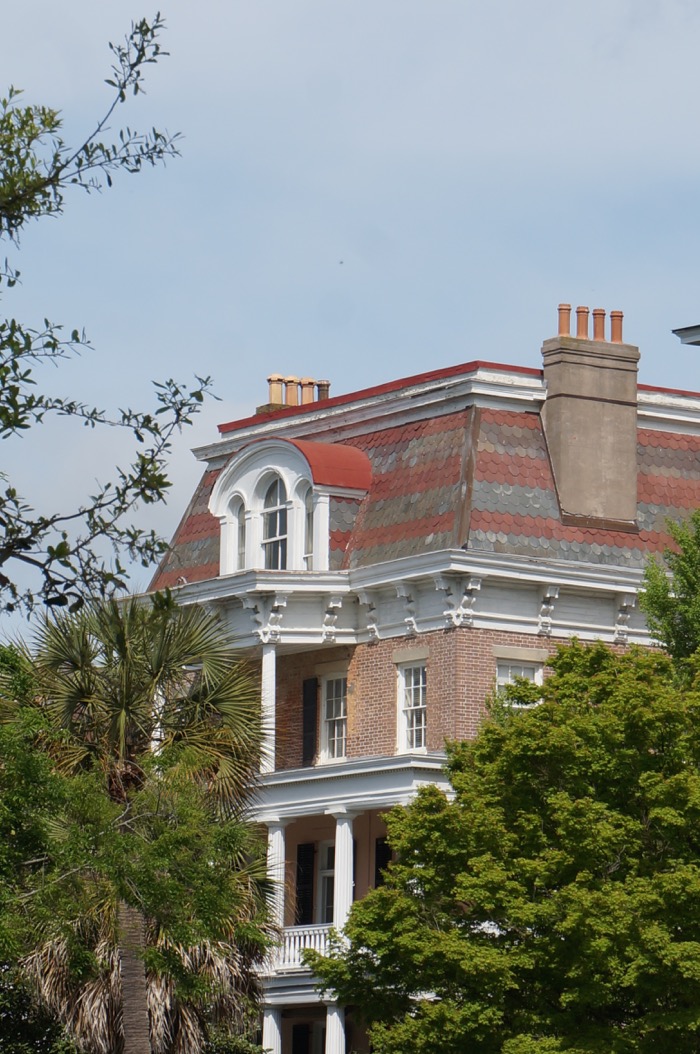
[[295, 940]]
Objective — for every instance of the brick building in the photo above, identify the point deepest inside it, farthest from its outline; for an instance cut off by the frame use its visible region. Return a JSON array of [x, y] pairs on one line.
[[391, 555]]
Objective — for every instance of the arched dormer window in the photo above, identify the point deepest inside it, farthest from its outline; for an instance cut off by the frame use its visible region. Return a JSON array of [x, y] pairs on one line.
[[274, 540], [273, 501]]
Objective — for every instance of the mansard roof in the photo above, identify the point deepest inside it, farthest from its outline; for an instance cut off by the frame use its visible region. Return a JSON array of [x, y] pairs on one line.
[[467, 467]]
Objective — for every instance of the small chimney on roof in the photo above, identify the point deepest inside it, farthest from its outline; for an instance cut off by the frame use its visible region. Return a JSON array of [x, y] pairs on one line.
[[291, 391], [590, 420]]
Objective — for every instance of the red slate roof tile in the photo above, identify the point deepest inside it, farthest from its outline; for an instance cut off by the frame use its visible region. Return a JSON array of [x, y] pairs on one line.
[[416, 500], [175, 577]]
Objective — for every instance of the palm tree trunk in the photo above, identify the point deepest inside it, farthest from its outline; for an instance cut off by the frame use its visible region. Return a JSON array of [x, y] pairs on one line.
[[135, 1022]]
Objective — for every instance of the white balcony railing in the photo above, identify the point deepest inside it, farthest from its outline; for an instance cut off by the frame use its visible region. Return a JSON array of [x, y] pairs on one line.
[[295, 940]]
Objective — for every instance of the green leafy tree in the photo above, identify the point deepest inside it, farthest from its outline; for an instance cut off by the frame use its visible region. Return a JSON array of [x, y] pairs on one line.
[[554, 903], [24, 1027], [671, 597], [61, 557], [150, 901], [31, 795]]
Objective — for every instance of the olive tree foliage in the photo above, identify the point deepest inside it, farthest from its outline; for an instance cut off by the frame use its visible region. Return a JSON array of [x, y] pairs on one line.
[[69, 554], [552, 904], [671, 597]]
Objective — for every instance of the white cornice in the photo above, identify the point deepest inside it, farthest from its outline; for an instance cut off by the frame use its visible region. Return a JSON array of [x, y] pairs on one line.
[[244, 584], [356, 784], [454, 562], [502, 389], [502, 566], [483, 387], [420, 594], [669, 411]]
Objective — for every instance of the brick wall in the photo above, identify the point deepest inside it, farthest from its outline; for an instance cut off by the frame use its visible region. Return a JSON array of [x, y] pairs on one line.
[[292, 671], [461, 673]]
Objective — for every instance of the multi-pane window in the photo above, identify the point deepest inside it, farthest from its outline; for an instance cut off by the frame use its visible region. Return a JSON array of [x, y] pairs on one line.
[[308, 530], [240, 538], [507, 670], [237, 537], [412, 706], [335, 717], [275, 526], [326, 882]]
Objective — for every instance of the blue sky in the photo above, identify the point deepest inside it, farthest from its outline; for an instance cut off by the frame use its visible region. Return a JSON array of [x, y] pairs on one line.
[[367, 189]]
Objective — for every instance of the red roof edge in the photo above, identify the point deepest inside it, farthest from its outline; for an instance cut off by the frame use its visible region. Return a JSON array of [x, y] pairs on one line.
[[667, 391], [379, 389]]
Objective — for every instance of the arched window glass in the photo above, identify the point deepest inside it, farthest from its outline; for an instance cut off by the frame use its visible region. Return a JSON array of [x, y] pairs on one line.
[[237, 535], [275, 526], [309, 530], [240, 537]]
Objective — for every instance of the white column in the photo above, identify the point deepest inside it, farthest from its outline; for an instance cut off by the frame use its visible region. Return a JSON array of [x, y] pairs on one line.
[[272, 1030], [276, 868], [342, 885], [322, 531], [335, 1029], [268, 701]]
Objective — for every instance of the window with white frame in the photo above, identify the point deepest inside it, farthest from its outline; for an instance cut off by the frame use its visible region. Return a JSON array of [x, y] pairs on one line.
[[275, 526], [308, 555], [272, 518], [237, 534], [509, 669], [334, 717], [326, 882], [412, 689]]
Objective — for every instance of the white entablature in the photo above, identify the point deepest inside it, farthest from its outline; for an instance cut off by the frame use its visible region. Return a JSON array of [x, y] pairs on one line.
[[445, 589]]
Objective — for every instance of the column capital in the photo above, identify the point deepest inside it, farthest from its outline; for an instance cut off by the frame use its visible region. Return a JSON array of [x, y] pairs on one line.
[[340, 812], [270, 820]]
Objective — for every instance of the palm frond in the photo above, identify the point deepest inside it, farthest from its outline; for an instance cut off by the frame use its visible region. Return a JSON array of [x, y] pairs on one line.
[[91, 1011]]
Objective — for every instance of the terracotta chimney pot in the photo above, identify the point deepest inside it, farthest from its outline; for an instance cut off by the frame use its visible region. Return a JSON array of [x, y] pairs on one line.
[[292, 390], [307, 385], [616, 327], [276, 394], [323, 388], [582, 322], [598, 323], [564, 320]]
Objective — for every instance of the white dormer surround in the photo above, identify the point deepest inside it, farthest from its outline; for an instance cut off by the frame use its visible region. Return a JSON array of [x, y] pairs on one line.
[[242, 494], [273, 502]]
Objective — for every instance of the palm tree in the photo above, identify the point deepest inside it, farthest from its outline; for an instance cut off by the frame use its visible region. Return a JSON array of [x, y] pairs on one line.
[[148, 699]]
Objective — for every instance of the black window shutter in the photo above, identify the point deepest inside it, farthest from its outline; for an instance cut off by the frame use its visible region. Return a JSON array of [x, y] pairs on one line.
[[382, 856], [305, 884], [301, 1035], [309, 720], [354, 866]]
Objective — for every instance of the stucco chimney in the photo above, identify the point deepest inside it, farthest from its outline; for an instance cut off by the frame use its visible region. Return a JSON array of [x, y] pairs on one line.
[[590, 421], [308, 390]]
